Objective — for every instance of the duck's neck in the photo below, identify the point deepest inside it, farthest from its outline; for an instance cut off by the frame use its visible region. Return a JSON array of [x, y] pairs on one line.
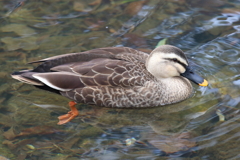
[[175, 89]]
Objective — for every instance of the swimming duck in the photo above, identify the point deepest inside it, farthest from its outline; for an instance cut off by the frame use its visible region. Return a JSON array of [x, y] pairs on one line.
[[117, 77]]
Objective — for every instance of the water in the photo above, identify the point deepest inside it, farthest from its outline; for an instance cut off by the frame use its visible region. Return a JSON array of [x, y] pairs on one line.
[[205, 126]]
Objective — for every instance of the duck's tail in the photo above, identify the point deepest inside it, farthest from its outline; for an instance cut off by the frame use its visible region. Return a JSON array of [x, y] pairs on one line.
[[25, 76]]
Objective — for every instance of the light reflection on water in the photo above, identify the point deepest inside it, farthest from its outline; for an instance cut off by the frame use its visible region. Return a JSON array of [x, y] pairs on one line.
[[192, 128]]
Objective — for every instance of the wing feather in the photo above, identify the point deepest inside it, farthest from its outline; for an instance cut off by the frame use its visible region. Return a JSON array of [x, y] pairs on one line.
[[97, 72], [63, 81]]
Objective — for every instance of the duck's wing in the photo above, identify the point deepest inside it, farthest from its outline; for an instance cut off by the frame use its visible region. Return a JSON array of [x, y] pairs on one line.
[[85, 76], [97, 72], [63, 63], [123, 53]]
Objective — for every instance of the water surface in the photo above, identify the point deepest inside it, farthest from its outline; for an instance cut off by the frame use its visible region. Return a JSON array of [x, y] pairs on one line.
[[205, 126]]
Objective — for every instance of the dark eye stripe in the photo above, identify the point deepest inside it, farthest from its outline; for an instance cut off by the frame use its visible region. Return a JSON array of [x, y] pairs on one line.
[[177, 61]]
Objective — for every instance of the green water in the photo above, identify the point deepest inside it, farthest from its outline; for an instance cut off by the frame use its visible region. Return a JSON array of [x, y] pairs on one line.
[[207, 31]]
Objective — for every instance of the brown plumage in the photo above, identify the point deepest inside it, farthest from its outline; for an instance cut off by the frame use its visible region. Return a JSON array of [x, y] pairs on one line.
[[115, 77]]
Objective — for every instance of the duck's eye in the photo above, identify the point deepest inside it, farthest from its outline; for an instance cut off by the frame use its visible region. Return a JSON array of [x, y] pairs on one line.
[[175, 60]]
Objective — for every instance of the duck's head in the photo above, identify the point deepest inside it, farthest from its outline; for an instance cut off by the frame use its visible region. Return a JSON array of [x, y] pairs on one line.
[[167, 61]]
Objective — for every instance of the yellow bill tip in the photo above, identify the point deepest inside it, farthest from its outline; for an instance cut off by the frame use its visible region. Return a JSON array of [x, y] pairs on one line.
[[205, 83]]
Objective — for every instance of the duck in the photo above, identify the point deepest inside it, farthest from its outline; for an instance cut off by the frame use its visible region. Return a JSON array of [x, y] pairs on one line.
[[116, 77]]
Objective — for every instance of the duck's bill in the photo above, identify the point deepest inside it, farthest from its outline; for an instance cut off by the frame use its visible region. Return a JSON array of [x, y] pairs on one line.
[[189, 74]]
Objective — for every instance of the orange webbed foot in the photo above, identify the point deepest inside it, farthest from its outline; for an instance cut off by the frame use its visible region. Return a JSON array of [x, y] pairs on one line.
[[70, 115]]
